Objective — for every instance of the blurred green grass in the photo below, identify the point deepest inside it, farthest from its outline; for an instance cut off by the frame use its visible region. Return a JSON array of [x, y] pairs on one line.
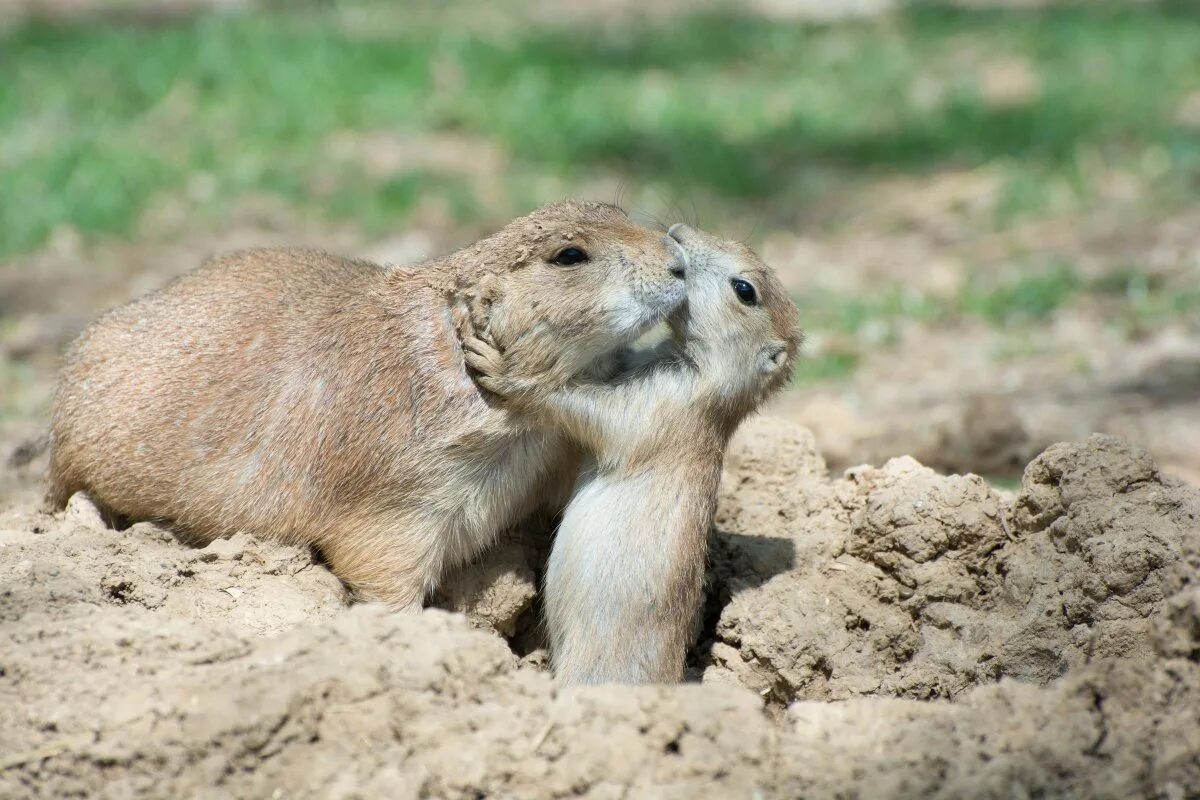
[[1017, 300], [98, 121], [1027, 294]]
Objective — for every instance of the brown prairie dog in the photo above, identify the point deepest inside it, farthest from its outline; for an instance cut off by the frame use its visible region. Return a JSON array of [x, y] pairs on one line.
[[625, 573], [314, 399]]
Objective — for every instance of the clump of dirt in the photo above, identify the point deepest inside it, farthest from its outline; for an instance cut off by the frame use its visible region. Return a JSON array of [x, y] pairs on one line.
[[892, 632], [495, 591]]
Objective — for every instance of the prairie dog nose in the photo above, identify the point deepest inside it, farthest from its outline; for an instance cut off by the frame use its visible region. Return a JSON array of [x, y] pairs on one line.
[[679, 263], [679, 231]]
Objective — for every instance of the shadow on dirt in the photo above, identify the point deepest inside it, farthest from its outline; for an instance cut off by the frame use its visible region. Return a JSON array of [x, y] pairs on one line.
[[736, 563]]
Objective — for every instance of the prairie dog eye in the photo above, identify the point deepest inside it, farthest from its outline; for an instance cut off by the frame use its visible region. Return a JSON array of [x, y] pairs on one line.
[[744, 291], [569, 255]]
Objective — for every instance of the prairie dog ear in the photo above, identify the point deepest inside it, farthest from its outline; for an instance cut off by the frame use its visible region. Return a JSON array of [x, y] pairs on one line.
[[460, 314]]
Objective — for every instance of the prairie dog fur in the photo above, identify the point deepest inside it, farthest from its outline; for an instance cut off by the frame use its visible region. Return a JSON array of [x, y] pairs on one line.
[[627, 566], [315, 399]]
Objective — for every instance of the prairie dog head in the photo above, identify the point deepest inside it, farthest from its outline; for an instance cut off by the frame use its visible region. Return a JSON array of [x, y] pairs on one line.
[[739, 325], [574, 281]]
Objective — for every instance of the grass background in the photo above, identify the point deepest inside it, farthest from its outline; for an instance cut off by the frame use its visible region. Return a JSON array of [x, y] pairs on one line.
[[103, 119], [98, 117]]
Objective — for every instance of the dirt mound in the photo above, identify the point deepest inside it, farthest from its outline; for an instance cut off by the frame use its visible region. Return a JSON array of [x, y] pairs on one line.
[[979, 644], [67, 567], [914, 584]]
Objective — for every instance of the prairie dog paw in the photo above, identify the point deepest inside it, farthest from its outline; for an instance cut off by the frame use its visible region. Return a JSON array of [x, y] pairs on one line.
[[487, 365], [484, 360]]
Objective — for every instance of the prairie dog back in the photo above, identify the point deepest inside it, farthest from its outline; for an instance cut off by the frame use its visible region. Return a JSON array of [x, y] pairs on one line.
[[211, 390]]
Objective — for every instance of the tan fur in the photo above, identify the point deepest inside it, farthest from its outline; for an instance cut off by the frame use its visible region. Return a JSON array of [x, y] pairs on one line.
[[625, 574], [310, 398]]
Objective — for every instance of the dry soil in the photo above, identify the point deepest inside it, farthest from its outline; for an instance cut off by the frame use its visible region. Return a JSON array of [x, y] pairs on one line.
[[891, 632]]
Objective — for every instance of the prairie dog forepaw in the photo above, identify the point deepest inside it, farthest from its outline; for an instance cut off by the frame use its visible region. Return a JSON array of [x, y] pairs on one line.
[[487, 365], [484, 360]]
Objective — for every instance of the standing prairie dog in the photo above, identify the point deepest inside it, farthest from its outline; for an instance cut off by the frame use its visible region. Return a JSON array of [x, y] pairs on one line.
[[314, 399], [627, 566]]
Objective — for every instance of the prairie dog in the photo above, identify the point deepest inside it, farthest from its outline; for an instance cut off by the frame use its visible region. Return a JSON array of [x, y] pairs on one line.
[[310, 398], [626, 569]]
